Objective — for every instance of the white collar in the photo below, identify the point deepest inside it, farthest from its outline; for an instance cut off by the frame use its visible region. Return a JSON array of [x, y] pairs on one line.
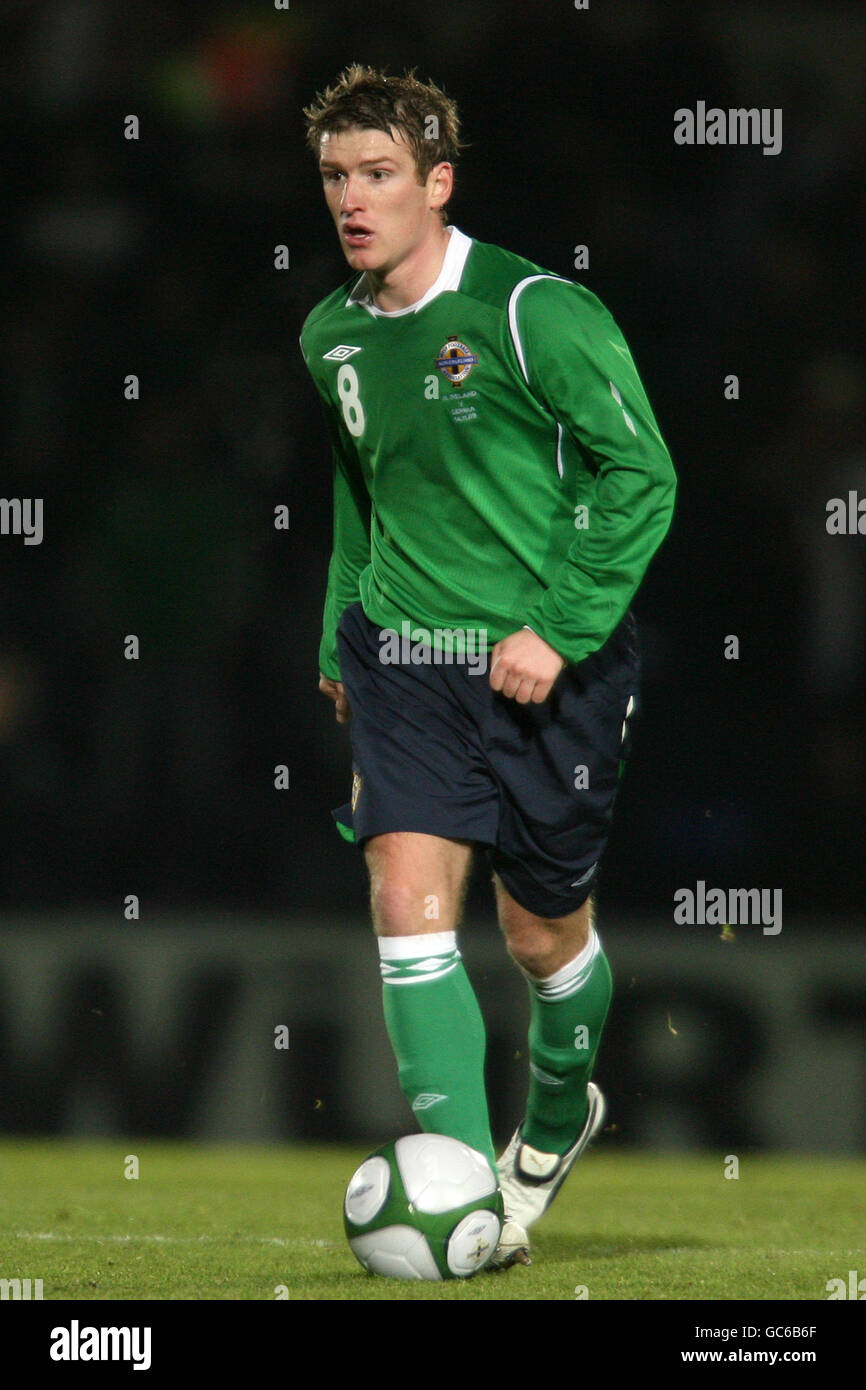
[[448, 279]]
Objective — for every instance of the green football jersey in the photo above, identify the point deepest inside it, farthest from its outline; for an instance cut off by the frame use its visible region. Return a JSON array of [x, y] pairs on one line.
[[496, 462]]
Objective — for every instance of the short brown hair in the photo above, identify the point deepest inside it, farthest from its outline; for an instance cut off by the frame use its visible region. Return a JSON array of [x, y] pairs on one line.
[[368, 98]]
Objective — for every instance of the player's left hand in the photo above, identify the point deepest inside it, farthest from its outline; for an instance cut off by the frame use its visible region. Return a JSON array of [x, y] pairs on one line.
[[524, 667]]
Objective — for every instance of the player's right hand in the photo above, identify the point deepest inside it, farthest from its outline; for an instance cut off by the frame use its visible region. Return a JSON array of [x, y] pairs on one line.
[[334, 691]]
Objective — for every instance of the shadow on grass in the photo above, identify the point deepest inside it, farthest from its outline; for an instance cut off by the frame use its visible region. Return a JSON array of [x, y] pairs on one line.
[[600, 1247], [349, 1286], [551, 1250]]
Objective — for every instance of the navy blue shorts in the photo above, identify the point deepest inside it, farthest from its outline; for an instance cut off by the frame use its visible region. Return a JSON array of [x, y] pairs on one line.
[[436, 751]]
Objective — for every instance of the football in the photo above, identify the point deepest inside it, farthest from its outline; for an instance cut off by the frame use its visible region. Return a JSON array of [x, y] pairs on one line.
[[424, 1207]]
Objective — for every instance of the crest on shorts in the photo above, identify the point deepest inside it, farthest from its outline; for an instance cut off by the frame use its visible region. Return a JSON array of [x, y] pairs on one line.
[[455, 361], [356, 789]]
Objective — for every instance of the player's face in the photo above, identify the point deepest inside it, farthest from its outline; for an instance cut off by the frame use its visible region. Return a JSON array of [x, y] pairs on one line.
[[381, 211]]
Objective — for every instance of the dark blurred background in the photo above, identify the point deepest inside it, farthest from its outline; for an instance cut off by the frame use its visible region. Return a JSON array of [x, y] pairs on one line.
[[155, 256]]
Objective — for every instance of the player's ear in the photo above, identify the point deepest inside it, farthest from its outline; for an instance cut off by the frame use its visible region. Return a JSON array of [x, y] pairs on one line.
[[442, 184]]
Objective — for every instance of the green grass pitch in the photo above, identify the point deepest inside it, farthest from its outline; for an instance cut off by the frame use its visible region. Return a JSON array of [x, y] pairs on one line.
[[205, 1222]]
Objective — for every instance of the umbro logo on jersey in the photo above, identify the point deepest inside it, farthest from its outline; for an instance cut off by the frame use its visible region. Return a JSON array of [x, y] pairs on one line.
[[340, 353]]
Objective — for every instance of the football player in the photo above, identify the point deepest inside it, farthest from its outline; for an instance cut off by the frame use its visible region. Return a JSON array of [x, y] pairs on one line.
[[500, 486]]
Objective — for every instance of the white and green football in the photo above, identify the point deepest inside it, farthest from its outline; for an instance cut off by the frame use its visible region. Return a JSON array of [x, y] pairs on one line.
[[424, 1207]]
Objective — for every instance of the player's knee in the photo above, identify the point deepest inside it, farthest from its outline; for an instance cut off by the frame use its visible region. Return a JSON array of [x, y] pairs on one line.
[[528, 939], [416, 884], [535, 951], [403, 906], [398, 908], [541, 945]]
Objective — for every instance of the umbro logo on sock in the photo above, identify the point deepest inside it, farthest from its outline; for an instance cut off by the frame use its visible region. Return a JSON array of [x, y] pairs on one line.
[[541, 1075], [426, 1099]]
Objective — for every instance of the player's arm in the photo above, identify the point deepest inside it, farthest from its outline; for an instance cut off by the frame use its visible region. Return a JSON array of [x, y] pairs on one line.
[[578, 365], [350, 555]]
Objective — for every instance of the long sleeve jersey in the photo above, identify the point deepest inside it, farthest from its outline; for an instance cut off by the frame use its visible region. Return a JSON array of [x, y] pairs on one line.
[[496, 461]]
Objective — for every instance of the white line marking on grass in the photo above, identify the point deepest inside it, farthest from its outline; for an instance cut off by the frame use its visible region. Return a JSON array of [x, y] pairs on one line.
[[66, 1238]]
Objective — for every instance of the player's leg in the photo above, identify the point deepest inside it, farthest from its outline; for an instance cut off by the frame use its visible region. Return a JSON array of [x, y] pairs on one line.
[[417, 882], [559, 765], [417, 887], [569, 990]]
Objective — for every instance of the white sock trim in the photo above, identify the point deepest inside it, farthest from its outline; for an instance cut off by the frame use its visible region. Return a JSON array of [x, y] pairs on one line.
[[421, 945], [572, 976]]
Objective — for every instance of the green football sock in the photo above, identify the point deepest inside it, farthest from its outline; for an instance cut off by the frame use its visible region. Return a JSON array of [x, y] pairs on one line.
[[567, 1016], [438, 1036]]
